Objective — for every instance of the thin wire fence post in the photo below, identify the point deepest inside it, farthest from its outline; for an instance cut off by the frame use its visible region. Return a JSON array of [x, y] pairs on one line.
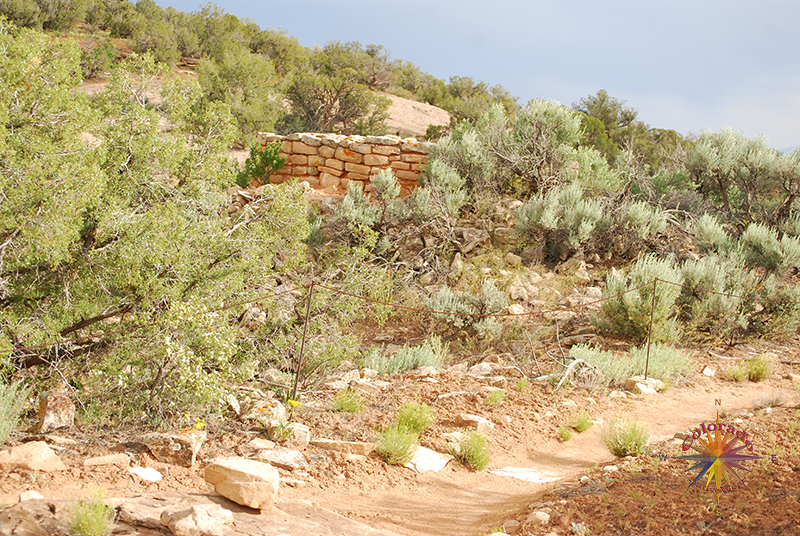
[[650, 330], [299, 367]]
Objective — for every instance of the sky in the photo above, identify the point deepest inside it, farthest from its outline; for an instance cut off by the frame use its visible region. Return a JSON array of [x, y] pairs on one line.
[[683, 65]]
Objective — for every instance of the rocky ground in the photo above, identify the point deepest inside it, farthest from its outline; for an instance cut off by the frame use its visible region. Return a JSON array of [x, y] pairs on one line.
[[535, 483]]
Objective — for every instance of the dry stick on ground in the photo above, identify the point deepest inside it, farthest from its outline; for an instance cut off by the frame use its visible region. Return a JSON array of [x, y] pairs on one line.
[[533, 353]]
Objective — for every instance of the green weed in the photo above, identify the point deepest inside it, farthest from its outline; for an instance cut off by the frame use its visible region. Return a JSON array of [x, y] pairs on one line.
[[92, 517], [582, 422], [473, 451], [624, 436], [348, 401], [495, 397], [415, 417], [396, 445]]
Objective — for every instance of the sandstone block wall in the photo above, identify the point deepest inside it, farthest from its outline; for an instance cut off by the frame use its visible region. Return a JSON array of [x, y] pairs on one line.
[[329, 161]]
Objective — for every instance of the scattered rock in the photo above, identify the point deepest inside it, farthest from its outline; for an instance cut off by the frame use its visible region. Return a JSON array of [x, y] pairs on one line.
[[179, 448], [610, 468], [617, 394], [425, 459], [708, 371], [512, 260], [632, 384], [481, 369], [246, 482], [28, 495], [33, 456], [511, 526], [299, 436], [233, 403], [516, 309], [424, 372], [264, 410], [538, 518], [347, 447], [197, 520], [56, 410], [481, 424], [585, 480], [120, 460], [147, 473], [288, 459], [260, 443]]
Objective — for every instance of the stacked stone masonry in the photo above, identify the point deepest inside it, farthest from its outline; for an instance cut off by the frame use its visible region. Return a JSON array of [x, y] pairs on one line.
[[330, 161]]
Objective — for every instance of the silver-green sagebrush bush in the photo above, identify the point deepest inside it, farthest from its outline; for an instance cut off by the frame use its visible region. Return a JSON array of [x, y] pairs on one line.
[[12, 401], [666, 362], [464, 308], [627, 311], [431, 353]]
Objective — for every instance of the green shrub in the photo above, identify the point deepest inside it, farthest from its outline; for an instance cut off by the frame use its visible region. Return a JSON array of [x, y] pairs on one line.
[[348, 401], [12, 402], [472, 451], [261, 164], [564, 433], [396, 445], [522, 384], [582, 422], [758, 369], [625, 437], [626, 311], [431, 353], [494, 397], [415, 417], [92, 517], [665, 362], [737, 373]]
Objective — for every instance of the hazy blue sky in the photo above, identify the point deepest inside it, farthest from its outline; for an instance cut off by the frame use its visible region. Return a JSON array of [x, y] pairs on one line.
[[683, 65]]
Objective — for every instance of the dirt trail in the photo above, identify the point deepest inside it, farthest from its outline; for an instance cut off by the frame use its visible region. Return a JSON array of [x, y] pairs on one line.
[[456, 502]]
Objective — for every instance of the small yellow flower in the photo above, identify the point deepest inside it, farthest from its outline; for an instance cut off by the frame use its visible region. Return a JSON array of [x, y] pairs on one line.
[[294, 403]]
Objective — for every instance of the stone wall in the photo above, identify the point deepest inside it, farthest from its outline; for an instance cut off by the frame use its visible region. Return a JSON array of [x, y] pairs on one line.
[[329, 161]]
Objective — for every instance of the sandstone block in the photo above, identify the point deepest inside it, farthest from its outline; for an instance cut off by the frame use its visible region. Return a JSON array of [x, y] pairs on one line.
[[335, 164], [416, 158], [56, 410], [178, 448], [246, 482], [405, 166], [310, 140], [375, 160], [481, 424], [316, 161], [298, 159], [353, 176], [356, 168], [385, 150], [406, 175], [332, 171], [326, 152], [327, 179], [33, 456], [288, 459], [120, 460], [197, 520], [382, 140], [346, 155], [298, 147], [363, 148]]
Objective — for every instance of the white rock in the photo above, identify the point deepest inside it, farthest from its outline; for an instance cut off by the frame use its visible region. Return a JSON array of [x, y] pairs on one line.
[[708, 371], [610, 468], [28, 495], [146, 473], [585, 480], [644, 389], [119, 459], [425, 459], [284, 458], [516, 309], [347, 447]]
